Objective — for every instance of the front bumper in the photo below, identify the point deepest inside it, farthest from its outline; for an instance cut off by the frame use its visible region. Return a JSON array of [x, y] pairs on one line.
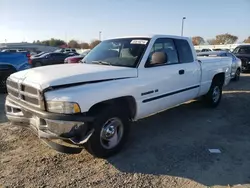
[[56, 130], [246, 67]]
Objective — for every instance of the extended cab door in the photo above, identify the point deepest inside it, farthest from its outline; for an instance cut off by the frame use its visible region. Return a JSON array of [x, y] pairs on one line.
[[170, 83]]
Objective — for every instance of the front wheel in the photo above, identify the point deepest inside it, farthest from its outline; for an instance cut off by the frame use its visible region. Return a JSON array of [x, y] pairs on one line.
[[213, 97], [111, 129], [37, 64]]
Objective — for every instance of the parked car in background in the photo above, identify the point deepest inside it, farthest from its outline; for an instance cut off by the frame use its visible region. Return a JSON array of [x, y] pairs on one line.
[[221, 49], [217, 49], [12, 62], [77, 58], [14, 50], [206, 50], [236, 62], [243, 53], [66, 50], [39, 54], [50, 58]]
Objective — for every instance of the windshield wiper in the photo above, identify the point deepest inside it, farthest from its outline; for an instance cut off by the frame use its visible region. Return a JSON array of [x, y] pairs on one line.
[[101, 63]]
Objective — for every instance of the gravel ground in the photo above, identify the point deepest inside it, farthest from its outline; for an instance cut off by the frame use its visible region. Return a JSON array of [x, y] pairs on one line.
[[169, 149]]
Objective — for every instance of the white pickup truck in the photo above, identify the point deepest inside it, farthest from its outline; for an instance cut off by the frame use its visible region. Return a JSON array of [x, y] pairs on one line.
[[91, 104]]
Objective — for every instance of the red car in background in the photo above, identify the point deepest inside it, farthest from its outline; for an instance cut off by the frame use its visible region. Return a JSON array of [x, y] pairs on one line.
[[77, 58]]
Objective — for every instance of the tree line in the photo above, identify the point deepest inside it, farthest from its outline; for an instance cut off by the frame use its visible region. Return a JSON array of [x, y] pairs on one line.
[[219, 39], [70, 44], [197, 40]]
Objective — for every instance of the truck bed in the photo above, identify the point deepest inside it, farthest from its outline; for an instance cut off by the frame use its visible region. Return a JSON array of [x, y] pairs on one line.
[[212, 65]]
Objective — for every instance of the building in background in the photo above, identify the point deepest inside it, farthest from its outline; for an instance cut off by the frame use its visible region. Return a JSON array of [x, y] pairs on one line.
[[28, 46]]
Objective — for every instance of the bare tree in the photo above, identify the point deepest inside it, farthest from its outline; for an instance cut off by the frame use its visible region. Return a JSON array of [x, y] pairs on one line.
[[94, 43], [226, 39], [73, 44], [197, 40], [247, 40], [211, 41], [84, 45]]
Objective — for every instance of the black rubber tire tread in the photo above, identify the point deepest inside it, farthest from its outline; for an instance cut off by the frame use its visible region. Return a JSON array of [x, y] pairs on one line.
[[37, 64], [209, 96], [93, 145]]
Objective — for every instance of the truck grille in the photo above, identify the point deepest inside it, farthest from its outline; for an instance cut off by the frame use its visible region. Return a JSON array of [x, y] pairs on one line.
[[25, 93]]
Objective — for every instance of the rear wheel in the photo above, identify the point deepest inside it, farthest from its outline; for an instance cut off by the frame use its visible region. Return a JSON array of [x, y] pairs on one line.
[[111, 129], [37, 64], [213, 97], [237, 75]]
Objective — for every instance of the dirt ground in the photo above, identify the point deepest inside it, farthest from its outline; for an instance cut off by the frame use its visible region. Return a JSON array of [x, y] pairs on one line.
[[166, 150]]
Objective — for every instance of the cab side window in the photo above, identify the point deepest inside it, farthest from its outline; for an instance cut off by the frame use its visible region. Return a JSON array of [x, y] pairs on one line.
[[166, 46], [184, 51]]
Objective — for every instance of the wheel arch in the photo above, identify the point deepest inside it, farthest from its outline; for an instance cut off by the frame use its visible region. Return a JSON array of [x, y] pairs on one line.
[[128, 103], [219, 77]]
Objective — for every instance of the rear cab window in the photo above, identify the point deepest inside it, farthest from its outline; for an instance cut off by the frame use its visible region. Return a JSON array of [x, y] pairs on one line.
[[184, 51]]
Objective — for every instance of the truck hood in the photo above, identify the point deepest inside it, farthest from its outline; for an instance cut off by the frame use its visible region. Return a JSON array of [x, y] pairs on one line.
[[59, 75]]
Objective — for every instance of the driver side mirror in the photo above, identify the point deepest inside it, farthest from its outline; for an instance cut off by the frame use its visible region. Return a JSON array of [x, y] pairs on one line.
[[158, 58]]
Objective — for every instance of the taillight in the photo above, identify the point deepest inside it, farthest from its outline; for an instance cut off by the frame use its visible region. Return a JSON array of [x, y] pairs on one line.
[[28, 56], [73, 60]]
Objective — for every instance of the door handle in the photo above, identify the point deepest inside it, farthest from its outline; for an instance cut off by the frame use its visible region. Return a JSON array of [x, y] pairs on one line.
[[181, 71]]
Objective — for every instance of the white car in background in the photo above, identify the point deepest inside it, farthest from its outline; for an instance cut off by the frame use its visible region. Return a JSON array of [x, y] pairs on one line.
[[236, 62]]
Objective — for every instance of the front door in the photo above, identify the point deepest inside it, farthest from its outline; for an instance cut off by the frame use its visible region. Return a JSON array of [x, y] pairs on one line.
[[170, 83]]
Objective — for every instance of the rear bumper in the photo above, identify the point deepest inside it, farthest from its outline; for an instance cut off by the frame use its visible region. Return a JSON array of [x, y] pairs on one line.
[[54, 129]]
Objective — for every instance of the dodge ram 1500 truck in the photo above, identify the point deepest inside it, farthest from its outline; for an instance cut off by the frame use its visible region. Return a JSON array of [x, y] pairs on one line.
[[91, 104]]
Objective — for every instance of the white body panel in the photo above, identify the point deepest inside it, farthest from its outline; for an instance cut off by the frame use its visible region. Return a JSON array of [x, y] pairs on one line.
[[72, 73], [210, 67], [160, 81]]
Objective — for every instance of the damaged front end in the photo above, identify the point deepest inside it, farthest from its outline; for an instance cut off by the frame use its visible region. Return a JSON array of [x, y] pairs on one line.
[[65, 133]]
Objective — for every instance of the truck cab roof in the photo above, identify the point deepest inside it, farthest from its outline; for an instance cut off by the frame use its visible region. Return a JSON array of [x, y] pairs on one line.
[[152, 36]]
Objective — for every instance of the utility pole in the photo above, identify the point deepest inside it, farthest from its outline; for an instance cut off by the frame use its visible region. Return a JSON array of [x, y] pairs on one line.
[[100, 35], [182, 25]]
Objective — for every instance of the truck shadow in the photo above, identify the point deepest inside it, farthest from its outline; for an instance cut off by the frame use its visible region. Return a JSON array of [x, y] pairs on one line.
[[176, 142], [2, 111]]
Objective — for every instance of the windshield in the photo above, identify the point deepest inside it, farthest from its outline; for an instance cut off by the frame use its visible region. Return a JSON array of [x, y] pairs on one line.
[[85, 53], [242, 50], [118, 52], [59, 50], [43, 55]]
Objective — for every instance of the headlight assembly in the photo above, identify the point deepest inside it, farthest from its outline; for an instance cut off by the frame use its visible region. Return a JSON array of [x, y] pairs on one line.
[[63, 107]]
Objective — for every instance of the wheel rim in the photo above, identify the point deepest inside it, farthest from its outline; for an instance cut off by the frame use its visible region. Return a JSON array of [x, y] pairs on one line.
[[111, 133], [216, 94]]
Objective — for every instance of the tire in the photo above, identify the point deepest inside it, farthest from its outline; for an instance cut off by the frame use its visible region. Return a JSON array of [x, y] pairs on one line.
[[102, 125], [213, 97], [3, 88], [37, 64], [237, 75]]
